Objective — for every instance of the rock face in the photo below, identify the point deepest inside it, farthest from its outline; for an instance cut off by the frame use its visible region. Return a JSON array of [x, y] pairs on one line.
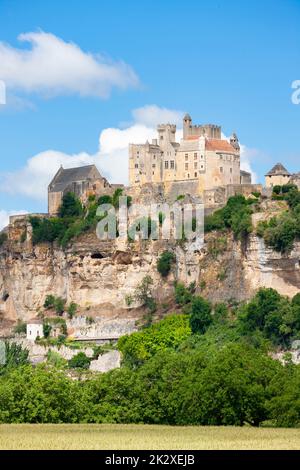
[[99, 275]]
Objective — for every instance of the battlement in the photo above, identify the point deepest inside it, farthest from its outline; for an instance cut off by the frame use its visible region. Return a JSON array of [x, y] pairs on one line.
[[163, 127]]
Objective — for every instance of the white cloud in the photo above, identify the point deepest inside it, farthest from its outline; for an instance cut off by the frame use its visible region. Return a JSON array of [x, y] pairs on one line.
[[246, 155], [4, 217], [151, 115], [54, 67]]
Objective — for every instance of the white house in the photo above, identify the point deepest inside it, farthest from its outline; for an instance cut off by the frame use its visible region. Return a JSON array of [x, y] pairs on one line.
[[34, 329]]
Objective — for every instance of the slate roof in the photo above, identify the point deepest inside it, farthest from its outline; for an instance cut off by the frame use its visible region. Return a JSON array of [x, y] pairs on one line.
[[278, 169], [65, 177]]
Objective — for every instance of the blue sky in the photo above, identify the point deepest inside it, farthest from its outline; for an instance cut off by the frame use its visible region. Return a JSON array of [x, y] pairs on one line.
[[226, 62]]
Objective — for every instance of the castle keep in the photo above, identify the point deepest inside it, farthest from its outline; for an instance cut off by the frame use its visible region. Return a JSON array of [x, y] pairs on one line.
[[202, 158]]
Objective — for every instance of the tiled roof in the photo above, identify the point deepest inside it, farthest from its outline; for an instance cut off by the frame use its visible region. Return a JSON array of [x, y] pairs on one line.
[[219, 145], [278, 169]]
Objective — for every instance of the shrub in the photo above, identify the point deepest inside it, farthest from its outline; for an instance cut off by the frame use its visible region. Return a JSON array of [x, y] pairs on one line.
[[183, 295], [80, 361], [71, 206], [164, 263], [105, 199], [20, 327], [3, 238], [200, 318], [49, 301], [72, 309], [143, 294], [15, 356], [59, 305], [236, 215], [168, 333], [220, 313], [47, 329]]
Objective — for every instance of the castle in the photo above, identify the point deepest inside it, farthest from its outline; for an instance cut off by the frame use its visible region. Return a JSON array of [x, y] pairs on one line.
[[202, 156], [203, 164]]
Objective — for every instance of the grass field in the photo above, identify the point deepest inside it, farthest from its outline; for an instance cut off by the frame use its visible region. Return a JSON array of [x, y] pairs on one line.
[[90, 436]]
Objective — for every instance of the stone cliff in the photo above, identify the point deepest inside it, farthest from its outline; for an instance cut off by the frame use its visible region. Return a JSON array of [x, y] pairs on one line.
[[98, 275]]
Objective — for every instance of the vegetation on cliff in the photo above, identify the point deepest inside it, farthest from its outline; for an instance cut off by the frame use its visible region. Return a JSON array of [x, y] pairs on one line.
[[236, 215], [281, 232], [73, 218]]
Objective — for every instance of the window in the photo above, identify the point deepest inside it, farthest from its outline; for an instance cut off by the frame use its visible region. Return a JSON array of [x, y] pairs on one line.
[[186, 166], [195, 165], [166, 165], [195, 174], [201, 157], [136, 165], [153, 165], [154, 157], [161, 137], [186, 156], [230, 170], [195, 156], [202, 167], [221, 169], [188, 175], [172, 164]]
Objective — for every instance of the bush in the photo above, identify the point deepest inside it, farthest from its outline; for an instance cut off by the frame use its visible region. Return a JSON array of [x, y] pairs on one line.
[[280, 232], [20, 327], [183, 295], [80, 361], [200, 318], [105, 199], [71, 206], [3, 238], [164, 263], [143, 294], [270, 313], [47, 329], [72, 309], [49, 301], [15, 356], [168, 333], [236, 215]]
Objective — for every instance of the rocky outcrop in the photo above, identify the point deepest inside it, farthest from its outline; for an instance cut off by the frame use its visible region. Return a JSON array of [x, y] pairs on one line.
[[100, 275]]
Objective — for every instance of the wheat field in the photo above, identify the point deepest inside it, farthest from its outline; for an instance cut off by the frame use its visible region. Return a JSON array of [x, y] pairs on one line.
[[138, 437]]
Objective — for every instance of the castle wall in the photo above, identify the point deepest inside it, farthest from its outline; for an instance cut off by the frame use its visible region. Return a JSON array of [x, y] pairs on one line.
[[274, 180]]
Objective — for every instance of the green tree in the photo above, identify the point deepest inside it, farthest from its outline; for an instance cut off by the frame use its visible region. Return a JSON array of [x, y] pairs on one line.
[[72, 309], [164, 263], [200, 318], [80, 361], [15, 356], [71, 206]]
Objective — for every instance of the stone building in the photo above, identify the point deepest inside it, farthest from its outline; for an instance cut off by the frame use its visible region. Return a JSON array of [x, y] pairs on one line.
[[83, 181], [34, 329], [278, 175], [295, 179], [202, 159]]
